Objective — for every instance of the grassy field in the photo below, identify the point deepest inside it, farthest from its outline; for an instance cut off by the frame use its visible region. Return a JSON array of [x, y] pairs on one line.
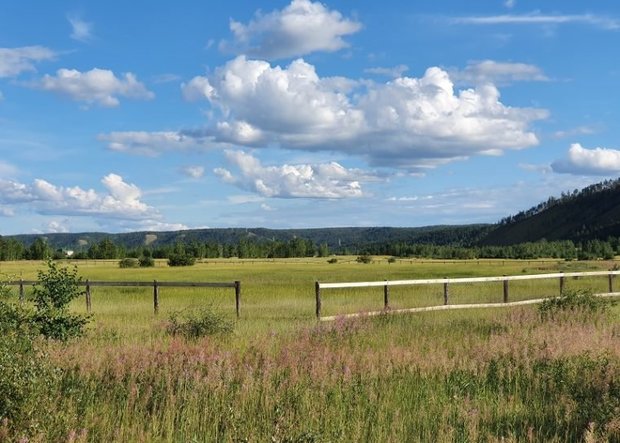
[[481, 375]]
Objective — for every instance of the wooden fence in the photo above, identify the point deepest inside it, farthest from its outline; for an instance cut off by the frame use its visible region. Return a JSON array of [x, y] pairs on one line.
[[154, 284], [446, 282]]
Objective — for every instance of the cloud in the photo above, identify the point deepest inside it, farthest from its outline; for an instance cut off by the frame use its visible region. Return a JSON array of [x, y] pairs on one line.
[[598, 21], [6, 211], [193, 171], [327, 180], [57, 226], [510, 3], [300, 28], [14, 61], [393, 72], [120, 201], [7, 170], [97, 86], [582, 161], [489, 71], [413, 123], [149, 143], [579, 130], [80, 30]]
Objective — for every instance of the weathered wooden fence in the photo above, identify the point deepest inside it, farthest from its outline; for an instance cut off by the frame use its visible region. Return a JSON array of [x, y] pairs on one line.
[[446, 282], [154, 284]]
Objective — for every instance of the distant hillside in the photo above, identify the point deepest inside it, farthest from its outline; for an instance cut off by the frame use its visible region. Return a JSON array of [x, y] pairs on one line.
[[592, 213], [338, 239]]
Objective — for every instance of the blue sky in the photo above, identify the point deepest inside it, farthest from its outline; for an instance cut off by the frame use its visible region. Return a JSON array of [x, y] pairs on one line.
[[121, 116]]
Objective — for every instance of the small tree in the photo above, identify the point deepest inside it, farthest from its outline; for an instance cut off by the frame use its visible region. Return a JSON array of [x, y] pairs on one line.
[[57, 287]]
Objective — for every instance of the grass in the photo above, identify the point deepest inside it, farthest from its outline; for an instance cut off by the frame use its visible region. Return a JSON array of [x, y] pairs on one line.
[[481, 375]]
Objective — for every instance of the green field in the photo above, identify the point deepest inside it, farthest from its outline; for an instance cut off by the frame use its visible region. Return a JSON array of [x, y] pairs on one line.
[[481, 375]]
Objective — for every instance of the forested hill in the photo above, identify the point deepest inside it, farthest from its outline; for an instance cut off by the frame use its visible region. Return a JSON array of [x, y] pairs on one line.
[[338, 239], [591, 213]]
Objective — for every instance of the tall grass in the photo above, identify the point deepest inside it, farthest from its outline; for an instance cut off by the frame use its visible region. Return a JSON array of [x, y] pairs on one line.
[[443, 376]]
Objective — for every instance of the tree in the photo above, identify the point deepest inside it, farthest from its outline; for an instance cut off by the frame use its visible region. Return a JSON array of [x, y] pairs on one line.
[[39, 250]]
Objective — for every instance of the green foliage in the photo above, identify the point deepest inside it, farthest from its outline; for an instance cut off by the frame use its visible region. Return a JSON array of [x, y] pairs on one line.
[[332, 260], [581, 302], [146, 262], [129, 263], [56, 288], [392, 260], [181, 260], [364, 258], [194, 324]]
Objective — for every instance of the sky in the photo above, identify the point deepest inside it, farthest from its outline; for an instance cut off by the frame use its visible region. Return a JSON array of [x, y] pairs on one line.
[[153, 116]]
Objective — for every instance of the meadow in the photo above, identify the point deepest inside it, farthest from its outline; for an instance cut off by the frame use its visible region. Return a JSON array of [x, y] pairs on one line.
[[480, 375]]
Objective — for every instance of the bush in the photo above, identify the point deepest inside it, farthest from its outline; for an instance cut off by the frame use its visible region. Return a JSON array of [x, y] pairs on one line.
[[331, 261], [181, 260], [146, 262], [581, 302], [365, 258], [392, 260], [57, 287], [129, 263], [193, 324]]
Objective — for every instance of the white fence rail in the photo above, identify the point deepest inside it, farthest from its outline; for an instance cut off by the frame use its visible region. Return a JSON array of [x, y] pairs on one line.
[[386, 284]]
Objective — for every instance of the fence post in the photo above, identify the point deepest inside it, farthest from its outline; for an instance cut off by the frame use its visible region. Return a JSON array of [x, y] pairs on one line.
[[155, 297], [237, 296], [505, 290], [386, 296], [445, 292], [611, 282], [21, 290], [317, 290], [562, 284], [88, 304]]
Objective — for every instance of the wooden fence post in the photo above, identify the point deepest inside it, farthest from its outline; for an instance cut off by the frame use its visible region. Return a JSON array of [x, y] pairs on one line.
[[386, 296], [237, 296], [505, 290], [561, 285], [317, 290], [611, 282], [21, 290], [87, 293], [155, 297], [445, 292]]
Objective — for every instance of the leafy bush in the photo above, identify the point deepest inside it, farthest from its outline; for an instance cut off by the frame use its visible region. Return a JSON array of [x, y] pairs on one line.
[[331, 261], [365, 258], [146, 262], [129, 263], [392, 260], [181, 260], [57, 287], [581, 302], [193, 324]]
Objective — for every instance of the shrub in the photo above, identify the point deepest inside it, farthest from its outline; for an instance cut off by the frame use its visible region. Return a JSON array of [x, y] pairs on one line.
[[146, 262], [57, 287], [193, 324], [129, 263], [331, 261], [392, 260], [582, 302], [364, 258], [181, 260]]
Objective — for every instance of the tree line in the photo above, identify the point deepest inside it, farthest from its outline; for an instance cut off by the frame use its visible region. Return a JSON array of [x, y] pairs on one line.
[[11, 249]]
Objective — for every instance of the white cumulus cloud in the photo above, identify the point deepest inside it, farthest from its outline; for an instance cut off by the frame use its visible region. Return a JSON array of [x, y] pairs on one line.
[[326, 180], [122, 200], [582, 161], [407, 122], [14, 61], [300, 28], [97, 86], [193, 171]]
